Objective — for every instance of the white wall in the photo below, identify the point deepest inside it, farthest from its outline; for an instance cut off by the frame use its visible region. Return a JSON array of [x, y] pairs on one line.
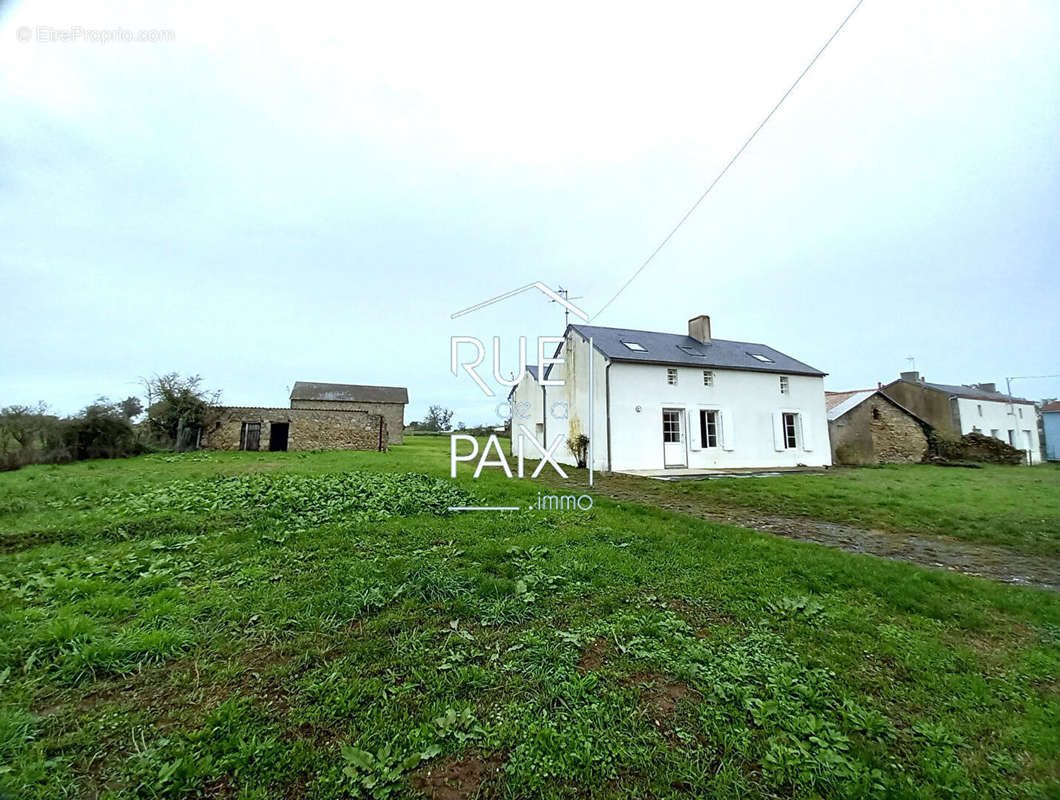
[[567, 407], [747, 402], [528, 410], [998, 416]]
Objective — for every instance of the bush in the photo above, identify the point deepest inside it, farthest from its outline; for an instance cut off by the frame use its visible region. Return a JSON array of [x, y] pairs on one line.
[[100, 431]]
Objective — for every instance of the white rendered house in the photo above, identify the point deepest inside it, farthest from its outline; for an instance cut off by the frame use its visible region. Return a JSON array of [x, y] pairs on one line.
[[977, 408], [663, 402]]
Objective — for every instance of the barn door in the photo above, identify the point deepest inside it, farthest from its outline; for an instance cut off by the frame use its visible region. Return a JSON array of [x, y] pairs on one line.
[[250, 436]]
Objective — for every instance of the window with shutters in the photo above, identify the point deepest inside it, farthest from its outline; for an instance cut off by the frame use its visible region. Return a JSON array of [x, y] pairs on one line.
[[790, 427], [708, 428]]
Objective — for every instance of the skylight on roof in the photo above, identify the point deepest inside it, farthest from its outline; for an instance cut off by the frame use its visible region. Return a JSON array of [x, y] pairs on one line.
[[691, 351], [761, 357], [634, 346]]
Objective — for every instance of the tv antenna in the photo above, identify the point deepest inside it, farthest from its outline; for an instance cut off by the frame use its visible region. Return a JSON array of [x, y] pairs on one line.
[[565, 294]]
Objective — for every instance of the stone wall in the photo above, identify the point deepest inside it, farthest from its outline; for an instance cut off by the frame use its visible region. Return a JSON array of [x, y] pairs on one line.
[[930, 405], [309, 429], [393, 413], [877, 432]]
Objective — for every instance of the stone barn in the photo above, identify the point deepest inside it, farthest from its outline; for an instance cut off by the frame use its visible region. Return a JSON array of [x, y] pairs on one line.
[[387, 401], [867, 427], [248, 428]]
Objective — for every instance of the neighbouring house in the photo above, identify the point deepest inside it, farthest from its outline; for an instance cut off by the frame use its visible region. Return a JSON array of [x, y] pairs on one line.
[[868, 427], [387, 401], [977, 408], [662, 402], [1051, 425], [249, 428]]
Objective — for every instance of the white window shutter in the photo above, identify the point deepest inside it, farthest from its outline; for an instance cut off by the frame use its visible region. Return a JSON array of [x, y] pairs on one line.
[[807, 433], [728, 438], [695, 437], [778, 431]]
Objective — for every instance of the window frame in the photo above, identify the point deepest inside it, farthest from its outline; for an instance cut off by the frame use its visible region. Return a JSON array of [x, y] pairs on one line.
[[791, 437], [785, 385], [671, 376], [708, 378], [708, 418], [671, 422], [636, 347]]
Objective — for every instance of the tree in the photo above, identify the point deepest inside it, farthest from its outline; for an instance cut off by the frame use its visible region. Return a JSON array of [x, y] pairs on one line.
[[101, 430], [29, 435], [131, 407], [176, 405], [438, 419]]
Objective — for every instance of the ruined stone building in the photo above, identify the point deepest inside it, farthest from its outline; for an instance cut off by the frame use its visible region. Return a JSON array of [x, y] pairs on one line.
[[322, 416], [867, 427], [387, 401]]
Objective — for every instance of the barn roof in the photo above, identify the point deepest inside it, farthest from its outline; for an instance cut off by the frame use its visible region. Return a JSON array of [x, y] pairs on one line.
[[680, 349], [348, 392]]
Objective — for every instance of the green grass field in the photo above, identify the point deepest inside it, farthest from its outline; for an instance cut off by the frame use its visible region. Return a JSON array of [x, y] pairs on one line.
[[262, 625], [1002, 505]]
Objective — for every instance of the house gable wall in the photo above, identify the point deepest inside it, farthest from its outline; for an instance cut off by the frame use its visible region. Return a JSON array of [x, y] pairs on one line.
[[876, 432]]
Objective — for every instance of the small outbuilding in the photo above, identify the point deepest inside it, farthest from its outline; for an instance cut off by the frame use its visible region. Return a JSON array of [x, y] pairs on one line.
[[280, 429], [867, 427], [387, 401]]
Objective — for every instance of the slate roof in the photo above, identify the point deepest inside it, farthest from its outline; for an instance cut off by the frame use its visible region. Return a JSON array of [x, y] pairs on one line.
[[348, 392], [968, 392], [680, 349]]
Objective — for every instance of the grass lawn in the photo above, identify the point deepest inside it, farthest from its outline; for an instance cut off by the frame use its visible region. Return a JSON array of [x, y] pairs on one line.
[[1017, 507], [261, 625]]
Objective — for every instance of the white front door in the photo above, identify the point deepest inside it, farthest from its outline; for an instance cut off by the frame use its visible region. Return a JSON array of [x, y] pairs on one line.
[[673, 438]]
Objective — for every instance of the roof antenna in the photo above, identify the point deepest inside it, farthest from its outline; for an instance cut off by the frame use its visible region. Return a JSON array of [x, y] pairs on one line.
[[912, 362], [565, 294]]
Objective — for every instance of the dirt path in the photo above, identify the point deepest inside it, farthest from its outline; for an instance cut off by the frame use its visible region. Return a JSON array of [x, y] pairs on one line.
[[987, 561]]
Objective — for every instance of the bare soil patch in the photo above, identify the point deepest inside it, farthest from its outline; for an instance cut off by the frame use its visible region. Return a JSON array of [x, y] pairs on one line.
[[592, 656], [459, 778], [660, 695]]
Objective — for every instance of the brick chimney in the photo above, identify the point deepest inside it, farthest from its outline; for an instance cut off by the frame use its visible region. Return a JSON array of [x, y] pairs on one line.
[[910, 376], [987, 387], [699, 328]]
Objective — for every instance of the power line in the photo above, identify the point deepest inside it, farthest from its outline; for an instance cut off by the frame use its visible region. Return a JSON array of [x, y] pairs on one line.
[[732, 161]]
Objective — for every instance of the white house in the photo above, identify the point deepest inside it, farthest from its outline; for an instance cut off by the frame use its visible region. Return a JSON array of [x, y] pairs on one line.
[[978, 408], [663, 401]]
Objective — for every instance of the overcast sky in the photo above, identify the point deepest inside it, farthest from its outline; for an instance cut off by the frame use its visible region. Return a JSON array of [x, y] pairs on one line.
[[280, 195]]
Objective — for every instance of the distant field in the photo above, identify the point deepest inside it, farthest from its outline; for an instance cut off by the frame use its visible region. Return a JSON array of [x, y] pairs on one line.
[[262, 625]]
